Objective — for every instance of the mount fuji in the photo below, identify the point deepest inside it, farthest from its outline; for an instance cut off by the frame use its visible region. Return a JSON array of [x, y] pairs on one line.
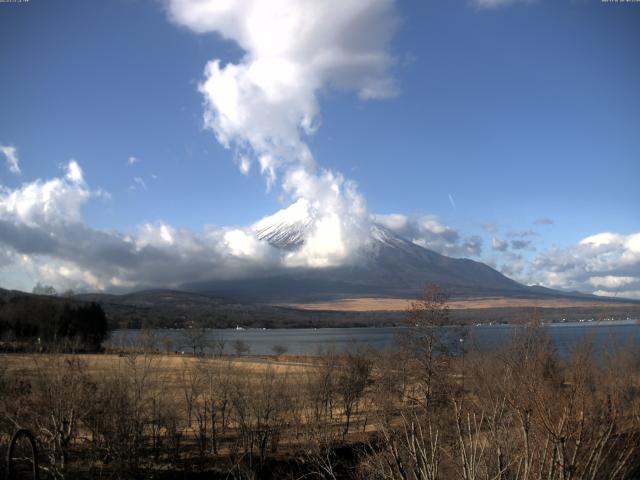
[[385, 266]]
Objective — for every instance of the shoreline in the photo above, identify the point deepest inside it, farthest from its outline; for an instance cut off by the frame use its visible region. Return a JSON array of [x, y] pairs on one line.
[[572, 323]]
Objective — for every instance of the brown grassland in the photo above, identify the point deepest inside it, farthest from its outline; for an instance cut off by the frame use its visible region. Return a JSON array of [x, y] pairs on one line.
[[401, 304]]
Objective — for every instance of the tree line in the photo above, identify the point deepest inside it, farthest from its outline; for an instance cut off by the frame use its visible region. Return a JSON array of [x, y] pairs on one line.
[[45, 322]]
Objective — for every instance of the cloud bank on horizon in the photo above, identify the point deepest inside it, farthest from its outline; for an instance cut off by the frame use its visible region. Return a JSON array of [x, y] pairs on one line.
[[264, 108]]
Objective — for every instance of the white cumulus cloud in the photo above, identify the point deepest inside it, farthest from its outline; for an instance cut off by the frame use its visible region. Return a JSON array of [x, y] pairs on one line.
[[58, 200]]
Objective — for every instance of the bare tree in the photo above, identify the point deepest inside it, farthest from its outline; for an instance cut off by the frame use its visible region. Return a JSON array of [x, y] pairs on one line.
[[122, 411], [191, 382], [195, 339], [321, 387], [353, 378], [217, 342], [215, 402], [279, 350], [409, 450], [424, 338], [63, 398], [241, 347]]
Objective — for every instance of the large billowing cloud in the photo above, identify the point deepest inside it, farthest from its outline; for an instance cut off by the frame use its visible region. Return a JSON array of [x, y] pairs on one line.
[[54, 201], [265, 106]]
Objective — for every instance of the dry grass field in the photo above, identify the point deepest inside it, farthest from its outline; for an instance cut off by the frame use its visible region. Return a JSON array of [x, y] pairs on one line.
[[168, 365], [401, 304], [168, 371]]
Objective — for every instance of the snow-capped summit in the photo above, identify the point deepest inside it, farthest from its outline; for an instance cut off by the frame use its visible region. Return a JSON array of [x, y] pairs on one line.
[[289, 228], [286, 228]]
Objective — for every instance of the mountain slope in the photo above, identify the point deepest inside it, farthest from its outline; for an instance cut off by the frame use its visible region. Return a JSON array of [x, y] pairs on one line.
[[391, 266]]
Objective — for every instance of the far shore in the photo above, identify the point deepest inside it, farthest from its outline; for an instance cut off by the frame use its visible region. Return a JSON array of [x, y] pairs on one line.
[[402, 304]]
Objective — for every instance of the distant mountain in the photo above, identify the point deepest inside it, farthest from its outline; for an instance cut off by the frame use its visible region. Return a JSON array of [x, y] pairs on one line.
[[391, 267]]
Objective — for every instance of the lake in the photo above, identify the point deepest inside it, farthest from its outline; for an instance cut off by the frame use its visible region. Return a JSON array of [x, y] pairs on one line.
[[606, 334]]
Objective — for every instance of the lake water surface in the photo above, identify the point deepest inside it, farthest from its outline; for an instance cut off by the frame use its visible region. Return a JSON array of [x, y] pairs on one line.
[[603, 335]]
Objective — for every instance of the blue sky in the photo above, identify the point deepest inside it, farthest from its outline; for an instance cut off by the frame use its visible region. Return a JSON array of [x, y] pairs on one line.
[[502, 114]]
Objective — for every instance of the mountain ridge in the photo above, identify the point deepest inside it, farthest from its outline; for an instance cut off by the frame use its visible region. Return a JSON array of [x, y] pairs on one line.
[[391, 267]]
